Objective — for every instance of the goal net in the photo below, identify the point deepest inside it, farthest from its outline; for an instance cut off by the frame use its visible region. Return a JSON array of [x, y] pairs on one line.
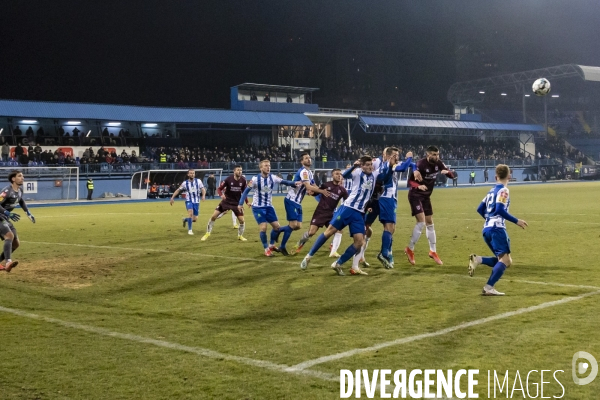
[[165, 181], [46, 183]]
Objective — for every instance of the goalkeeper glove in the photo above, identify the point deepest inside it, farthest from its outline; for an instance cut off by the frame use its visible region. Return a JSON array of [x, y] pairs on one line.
[[31, 217], [12, 216]]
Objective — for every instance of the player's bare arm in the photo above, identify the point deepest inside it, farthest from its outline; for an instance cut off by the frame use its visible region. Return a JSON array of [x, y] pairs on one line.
[[174, 195], [315, 189], [203, 194]]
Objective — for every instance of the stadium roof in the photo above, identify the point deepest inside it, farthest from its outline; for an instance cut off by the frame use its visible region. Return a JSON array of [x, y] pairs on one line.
[[275, 88], [434, 123], [110, 112], [464, 92]]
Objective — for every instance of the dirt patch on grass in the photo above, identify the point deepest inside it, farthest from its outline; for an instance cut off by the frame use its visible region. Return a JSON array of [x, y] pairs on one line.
[[72, 273]]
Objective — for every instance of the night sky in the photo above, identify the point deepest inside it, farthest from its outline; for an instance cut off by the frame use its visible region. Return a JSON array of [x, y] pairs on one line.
[[188, 53]]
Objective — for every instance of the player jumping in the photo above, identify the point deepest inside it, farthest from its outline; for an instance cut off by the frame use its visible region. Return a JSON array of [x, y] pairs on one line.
[[195, 189], [9, 198], [230, 190], [494, 209], [262, 203], [295, 195], [350, 214], [327, 205], [388, 201], [419, 197]]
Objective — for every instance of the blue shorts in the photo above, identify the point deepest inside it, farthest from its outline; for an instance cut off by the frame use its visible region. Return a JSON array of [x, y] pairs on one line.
[[372, 216], [293, 211], [192, 206], [497, 240], [264, 214], [387, 210], [346, 216]]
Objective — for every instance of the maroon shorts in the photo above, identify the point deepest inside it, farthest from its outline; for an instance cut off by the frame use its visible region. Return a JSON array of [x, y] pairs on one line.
[[222, 207], [419, 204], [320, 219]]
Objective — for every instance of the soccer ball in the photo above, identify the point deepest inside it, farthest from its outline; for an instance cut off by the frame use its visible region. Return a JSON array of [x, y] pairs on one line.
[[541, 87]]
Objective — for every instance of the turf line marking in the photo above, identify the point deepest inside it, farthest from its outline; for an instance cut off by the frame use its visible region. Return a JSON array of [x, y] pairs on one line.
[[311, 363], [173, 346], [93, 246], [569, 285]]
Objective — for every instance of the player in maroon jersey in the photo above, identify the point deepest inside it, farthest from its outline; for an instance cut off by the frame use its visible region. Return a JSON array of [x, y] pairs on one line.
[[230, 190], [327, 205], [419, 197]]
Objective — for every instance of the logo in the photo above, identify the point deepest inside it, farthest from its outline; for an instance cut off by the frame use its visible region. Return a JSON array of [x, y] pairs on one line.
[[580, 368], [418, 207], [436, 168], [427, 170]]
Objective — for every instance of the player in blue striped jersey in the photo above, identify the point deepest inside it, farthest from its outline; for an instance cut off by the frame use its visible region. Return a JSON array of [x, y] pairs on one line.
[[494, 209], [371, 215], [263, 185], [295, 195], [351, 214], [388, 201], [194, 191], [337, 237]]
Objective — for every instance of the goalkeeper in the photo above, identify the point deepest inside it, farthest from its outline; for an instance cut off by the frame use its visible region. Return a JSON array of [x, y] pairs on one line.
[[9, 198]]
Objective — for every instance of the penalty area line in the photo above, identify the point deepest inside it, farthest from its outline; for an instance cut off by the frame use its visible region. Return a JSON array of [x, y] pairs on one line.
[[207, 353], [333, 357]]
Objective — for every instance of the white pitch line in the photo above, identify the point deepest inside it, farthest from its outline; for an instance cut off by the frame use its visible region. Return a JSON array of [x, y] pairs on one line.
[[311, 363], [507, 279], [94, 246], [173, 346]]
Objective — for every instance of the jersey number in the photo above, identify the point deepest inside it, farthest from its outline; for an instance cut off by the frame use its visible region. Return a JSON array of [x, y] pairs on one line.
[[489, 202]]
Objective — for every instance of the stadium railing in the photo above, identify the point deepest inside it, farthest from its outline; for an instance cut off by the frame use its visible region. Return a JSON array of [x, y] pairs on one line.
[[127, 170]]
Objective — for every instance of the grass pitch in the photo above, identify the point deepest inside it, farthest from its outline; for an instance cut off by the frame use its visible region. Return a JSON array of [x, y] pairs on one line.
[[118, 302]]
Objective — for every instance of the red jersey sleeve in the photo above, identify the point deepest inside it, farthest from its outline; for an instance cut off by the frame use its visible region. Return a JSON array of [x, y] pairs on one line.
[[221, 187]]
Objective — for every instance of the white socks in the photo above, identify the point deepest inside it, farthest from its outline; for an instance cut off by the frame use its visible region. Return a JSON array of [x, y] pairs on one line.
[[337, 240], [416, 234], [304, 238], [241, 229], [430, 232], [234, 218], [210, 225]]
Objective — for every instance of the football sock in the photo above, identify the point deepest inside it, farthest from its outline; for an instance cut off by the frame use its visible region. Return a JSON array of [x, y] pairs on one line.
[[430, 233], [391, 242], [210, 225], [416, 234], [367, 239], [337, 240], [490, 261], [386, 243], [304, 239], [241, 229], [234, 218], [7, 249], [356, 260], [189, 221], [220, 215], [350, 251], [287, 232], [318, 243], [497, 273], [274, 236], [263, 239]]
